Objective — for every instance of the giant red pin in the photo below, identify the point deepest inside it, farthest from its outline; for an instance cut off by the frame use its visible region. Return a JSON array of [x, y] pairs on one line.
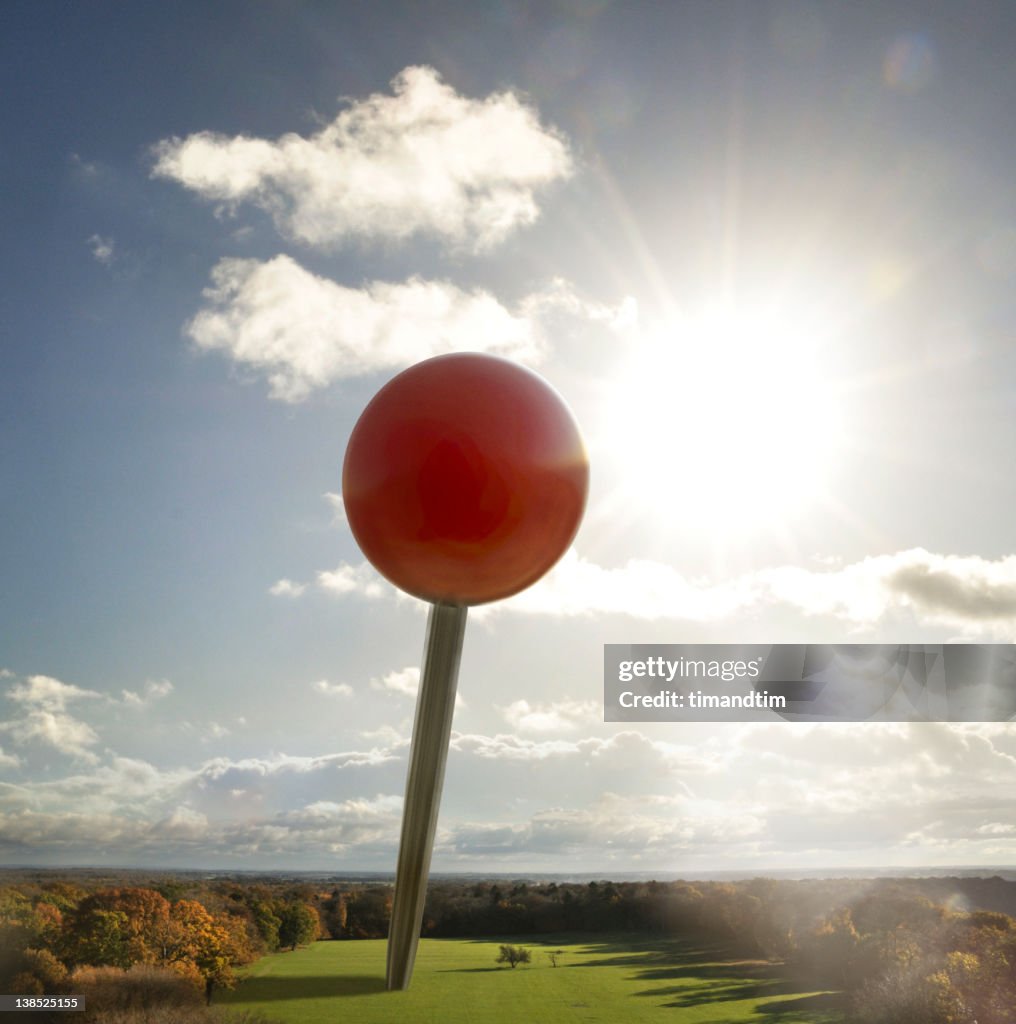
[[464, 481]]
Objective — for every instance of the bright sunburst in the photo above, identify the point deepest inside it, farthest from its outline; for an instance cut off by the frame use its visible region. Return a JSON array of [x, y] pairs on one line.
[[726, 418]]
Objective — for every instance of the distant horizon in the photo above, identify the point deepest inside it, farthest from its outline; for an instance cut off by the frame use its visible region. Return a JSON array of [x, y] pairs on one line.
[[789, 874]]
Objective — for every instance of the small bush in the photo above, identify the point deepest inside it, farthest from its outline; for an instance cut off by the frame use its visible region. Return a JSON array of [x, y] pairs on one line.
[[178, 1015], [110, 990]]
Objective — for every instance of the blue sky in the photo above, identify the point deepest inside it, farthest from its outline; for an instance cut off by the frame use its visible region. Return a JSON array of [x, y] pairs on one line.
[[767, 252]]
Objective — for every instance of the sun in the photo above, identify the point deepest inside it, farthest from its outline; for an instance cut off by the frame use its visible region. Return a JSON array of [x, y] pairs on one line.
[[728, 418]]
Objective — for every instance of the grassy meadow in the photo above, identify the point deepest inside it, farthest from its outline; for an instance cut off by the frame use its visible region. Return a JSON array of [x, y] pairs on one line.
[[604, 979]]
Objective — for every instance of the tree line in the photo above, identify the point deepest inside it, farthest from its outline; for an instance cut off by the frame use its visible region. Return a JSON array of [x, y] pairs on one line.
[[901, 957]]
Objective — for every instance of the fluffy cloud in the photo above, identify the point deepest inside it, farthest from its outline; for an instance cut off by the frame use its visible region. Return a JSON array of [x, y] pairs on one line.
[[356, 579], [969, 593], [966, 592], [734, 796], [405, 681], [44, 717], [47, 693], [184, 823], [305, 332], [286, 588], [422, 160], [959, 588]]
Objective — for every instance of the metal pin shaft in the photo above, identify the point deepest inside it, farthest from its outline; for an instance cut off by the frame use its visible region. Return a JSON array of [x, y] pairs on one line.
[[428, 755]]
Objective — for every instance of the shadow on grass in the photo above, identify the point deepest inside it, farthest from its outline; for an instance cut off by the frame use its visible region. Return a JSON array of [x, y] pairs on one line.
[[267, 990], [701, 974], [711, 982]]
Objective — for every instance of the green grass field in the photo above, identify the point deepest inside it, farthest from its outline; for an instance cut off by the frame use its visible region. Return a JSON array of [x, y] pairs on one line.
[[608, 979]]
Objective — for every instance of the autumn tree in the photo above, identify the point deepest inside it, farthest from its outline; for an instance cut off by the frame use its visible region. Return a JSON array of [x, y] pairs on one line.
[[41, 972], [202, 947], [118, 927]]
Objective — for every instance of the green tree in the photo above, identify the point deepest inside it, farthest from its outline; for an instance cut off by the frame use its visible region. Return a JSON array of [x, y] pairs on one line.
[[267, 923], [101, 938], [298, 925], [368, 912], [513, 956]]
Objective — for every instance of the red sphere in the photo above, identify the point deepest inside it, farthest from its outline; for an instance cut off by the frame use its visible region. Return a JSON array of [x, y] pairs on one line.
[[465, 479]]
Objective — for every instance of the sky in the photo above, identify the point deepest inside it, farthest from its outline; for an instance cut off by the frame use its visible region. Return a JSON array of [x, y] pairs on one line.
[[767, 253]]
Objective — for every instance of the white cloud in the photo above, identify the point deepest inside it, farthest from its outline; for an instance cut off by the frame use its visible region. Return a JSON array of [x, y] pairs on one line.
[[281, 764], [969, 593], [287, 588], [356, 579], [44, 718], [621, 750], [333, 689], [384, 806], [103, 249], [60, 731], [9, 760], [423, 160], [184, 823], [628, 829], [386, 735], [640, 589], [731, 796], [306, 332], [960, 588], [560, 300], [123, 784], [405, 681], [576, 586], [338, 507], [154, 690], [48, 693], [557, 717]]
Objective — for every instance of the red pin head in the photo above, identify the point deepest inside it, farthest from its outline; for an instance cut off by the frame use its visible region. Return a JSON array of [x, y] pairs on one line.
[[465, 479]]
